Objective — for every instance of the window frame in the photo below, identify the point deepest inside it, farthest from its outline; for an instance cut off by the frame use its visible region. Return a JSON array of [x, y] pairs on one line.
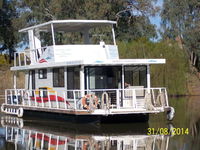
[[59, 73], [42, 74]]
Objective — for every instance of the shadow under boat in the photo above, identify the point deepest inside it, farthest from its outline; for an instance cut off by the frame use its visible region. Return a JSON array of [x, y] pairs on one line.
[[120, 118]]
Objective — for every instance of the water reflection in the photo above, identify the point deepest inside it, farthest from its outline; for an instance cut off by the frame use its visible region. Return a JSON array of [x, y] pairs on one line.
[[30, 135]]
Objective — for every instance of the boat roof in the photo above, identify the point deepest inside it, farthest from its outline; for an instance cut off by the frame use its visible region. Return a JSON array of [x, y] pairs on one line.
[[69, 25], [117, 62]]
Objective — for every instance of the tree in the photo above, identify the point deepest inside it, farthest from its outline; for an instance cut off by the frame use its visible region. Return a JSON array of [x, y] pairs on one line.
[[180, 18], [132, 15], [8, 38]]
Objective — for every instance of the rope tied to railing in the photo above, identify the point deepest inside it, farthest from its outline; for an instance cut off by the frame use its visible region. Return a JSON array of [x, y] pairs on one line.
[[105, 101]]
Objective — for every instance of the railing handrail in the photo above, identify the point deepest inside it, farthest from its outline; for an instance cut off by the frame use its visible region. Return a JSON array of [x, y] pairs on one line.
[[61, 99], [95, 90]]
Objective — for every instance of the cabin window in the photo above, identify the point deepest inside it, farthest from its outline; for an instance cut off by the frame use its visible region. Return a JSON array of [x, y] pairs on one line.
[[33, 79], [42, 73], [73, 80], [103, 77], [58, 77], [135, 76]]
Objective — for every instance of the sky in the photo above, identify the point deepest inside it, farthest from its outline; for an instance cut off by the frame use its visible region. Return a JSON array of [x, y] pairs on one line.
[[156, 20]]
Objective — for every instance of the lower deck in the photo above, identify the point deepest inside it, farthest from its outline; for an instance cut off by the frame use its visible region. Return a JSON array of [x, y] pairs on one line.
[[109, 102]]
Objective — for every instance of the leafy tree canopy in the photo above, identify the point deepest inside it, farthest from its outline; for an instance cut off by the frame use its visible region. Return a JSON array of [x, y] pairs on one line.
[[132, 15], [181, 18]]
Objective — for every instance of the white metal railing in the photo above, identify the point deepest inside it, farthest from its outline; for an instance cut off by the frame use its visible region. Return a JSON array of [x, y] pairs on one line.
[[24, 58], [137, 98]]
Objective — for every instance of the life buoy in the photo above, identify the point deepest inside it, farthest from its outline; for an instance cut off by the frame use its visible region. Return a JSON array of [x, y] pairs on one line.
[[93, 101], [20, 112]]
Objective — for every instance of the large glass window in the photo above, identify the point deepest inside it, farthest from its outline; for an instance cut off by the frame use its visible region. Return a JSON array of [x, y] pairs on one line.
[[135, 76], [103, 77], [73, 78], [58, 77]]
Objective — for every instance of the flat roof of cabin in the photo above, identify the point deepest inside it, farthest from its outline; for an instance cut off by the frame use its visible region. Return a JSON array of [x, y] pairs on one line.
[[69, 25], [117, 62]]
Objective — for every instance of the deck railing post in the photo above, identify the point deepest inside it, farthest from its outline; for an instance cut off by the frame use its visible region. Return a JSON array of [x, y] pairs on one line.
[[29, 101], [166, 97], [22, 95], [57, 100], [19, 56], [49, 99], [42, 98], [117, 95], [11, 97], [35, 140], [42, 141], [134, 99], [24, 58], [35, 98], [66, 144], [65, 100], [49, 142], [16, 95], [153, 96], [74, 99], [6, 97], [57, 142]]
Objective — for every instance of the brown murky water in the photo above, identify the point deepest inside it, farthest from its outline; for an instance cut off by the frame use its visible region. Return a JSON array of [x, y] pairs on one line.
[[183, 133]]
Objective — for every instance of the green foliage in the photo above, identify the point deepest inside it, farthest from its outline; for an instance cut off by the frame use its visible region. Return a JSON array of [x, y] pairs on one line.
[[3, 60], [181, 19], [130, 26], [171, 75], [8, 37]]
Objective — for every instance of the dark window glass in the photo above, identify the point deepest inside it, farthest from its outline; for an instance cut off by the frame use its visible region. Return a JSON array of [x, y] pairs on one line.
[[33, 79], [73, 80], [103, 77], [58, 77], [42, 73], [135, 76]]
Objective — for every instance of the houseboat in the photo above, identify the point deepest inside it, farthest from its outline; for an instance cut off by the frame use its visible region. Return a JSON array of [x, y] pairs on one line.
[[30, 137], [72, 68]]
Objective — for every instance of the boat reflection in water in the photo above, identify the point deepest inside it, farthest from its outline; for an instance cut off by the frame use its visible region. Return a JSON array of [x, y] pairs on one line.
[[24, 135]]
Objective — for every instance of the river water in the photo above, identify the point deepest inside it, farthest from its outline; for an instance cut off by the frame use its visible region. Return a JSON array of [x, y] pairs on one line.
[[183, 133]]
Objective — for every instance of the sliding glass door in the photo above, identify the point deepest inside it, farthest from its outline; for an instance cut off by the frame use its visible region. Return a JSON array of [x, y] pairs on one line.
[[104, 77]]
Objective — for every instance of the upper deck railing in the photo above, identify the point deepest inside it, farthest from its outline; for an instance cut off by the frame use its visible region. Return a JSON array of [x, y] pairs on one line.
[[62, 53]]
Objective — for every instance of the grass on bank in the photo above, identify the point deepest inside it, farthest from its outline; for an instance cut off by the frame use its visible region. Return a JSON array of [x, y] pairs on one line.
[[173, 74]]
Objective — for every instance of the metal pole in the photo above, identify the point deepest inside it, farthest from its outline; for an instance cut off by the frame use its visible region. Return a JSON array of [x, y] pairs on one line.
[[82, 83], [15, 81], [148, 78], [113, 33], [52, 31]]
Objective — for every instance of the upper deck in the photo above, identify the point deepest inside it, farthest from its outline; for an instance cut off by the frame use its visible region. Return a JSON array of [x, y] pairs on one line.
[[69, 40]]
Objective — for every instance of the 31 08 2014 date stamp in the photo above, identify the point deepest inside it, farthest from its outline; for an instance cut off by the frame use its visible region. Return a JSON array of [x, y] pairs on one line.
[[166, 131]]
